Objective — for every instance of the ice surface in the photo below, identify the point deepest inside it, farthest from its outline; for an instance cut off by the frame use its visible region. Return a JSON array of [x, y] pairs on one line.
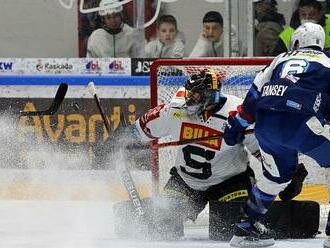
[[86, 224], [61, 208]]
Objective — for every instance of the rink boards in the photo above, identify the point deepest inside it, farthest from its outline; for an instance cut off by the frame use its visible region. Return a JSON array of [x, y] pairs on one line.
[[27, 183], [30, 184]]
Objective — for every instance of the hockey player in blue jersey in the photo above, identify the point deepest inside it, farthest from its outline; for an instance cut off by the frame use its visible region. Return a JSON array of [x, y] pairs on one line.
[[289, 104]]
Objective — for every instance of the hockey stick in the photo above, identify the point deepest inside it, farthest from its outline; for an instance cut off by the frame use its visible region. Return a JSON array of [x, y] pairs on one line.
[[195, 140], [125, 174], [92, 91], [59, 97]]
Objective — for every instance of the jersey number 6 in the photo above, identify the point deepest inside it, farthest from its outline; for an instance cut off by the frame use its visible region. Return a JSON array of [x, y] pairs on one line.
[[294, 66]]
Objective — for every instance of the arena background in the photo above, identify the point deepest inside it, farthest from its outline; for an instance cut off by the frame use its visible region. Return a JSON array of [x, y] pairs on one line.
[[40, 46], [29, 37]]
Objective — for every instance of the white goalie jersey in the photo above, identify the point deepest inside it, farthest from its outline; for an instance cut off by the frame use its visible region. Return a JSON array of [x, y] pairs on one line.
[[205, 163]]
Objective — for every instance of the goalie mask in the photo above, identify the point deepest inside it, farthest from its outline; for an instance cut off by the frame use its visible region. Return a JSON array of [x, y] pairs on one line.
[[202, 91]]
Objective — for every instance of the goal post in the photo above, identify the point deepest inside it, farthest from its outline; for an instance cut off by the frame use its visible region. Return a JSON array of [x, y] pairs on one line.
[[167, 75]]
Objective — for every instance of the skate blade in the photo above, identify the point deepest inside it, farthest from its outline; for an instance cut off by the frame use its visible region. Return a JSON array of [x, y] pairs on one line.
[[242, 242]]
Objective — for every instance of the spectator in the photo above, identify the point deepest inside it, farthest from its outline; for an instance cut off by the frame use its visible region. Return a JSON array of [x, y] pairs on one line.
[[87, 24], [270, 25], [210, 42], [168, 44], [308, 11], [115, 38]]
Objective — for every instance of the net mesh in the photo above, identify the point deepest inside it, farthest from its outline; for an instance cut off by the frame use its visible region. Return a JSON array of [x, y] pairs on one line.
[[236, 79]]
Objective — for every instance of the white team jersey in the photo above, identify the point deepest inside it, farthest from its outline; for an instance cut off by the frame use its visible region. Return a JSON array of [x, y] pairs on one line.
[[157, 49], [201, 164], [102, 44], [206, 48]]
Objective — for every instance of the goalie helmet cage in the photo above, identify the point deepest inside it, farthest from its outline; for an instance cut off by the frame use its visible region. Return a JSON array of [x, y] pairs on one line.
[[165, 78]]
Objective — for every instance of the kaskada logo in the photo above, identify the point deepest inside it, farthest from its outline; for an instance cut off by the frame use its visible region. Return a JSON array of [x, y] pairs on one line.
[[54, 67], [39, 66]]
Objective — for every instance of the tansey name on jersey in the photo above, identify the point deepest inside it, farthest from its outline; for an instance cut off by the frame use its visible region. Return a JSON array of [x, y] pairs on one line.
[[273, 90], [192, 131]]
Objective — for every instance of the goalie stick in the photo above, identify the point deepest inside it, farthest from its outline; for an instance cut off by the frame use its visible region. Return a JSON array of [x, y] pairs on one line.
[[195, 140], [59, 97], [124, 172]]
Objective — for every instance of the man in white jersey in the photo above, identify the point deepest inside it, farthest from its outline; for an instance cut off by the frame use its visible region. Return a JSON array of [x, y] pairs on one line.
[[115, 38], [207, 170]]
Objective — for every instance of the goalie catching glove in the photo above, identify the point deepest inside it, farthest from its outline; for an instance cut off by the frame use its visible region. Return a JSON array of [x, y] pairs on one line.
[[127, 137], [122, 138]]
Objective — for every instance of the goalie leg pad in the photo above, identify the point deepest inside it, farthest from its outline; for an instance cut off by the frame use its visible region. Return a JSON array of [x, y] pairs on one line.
[[226, 204], [222, 219], [126, 222], [294, 219], [289, 220], [191, 202], [161, 223]]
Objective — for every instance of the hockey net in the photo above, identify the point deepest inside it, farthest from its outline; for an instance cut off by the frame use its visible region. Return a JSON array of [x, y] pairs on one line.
[[168, 75]]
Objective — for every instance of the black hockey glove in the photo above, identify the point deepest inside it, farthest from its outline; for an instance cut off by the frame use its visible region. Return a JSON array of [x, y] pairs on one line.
[[296, 184], [124, 140]]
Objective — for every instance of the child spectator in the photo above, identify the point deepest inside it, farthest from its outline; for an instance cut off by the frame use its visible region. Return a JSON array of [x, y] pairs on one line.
[[270, 25], [210, 42], [115, 38], [168, 44]]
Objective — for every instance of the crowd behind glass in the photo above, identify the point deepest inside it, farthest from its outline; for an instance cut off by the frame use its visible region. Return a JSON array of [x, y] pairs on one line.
[[109, 32]]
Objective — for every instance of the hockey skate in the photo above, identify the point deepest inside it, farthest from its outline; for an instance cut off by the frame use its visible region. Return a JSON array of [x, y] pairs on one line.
[[252, 234]]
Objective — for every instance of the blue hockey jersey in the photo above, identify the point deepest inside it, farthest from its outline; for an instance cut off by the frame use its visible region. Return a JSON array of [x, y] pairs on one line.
[[297, 81]]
